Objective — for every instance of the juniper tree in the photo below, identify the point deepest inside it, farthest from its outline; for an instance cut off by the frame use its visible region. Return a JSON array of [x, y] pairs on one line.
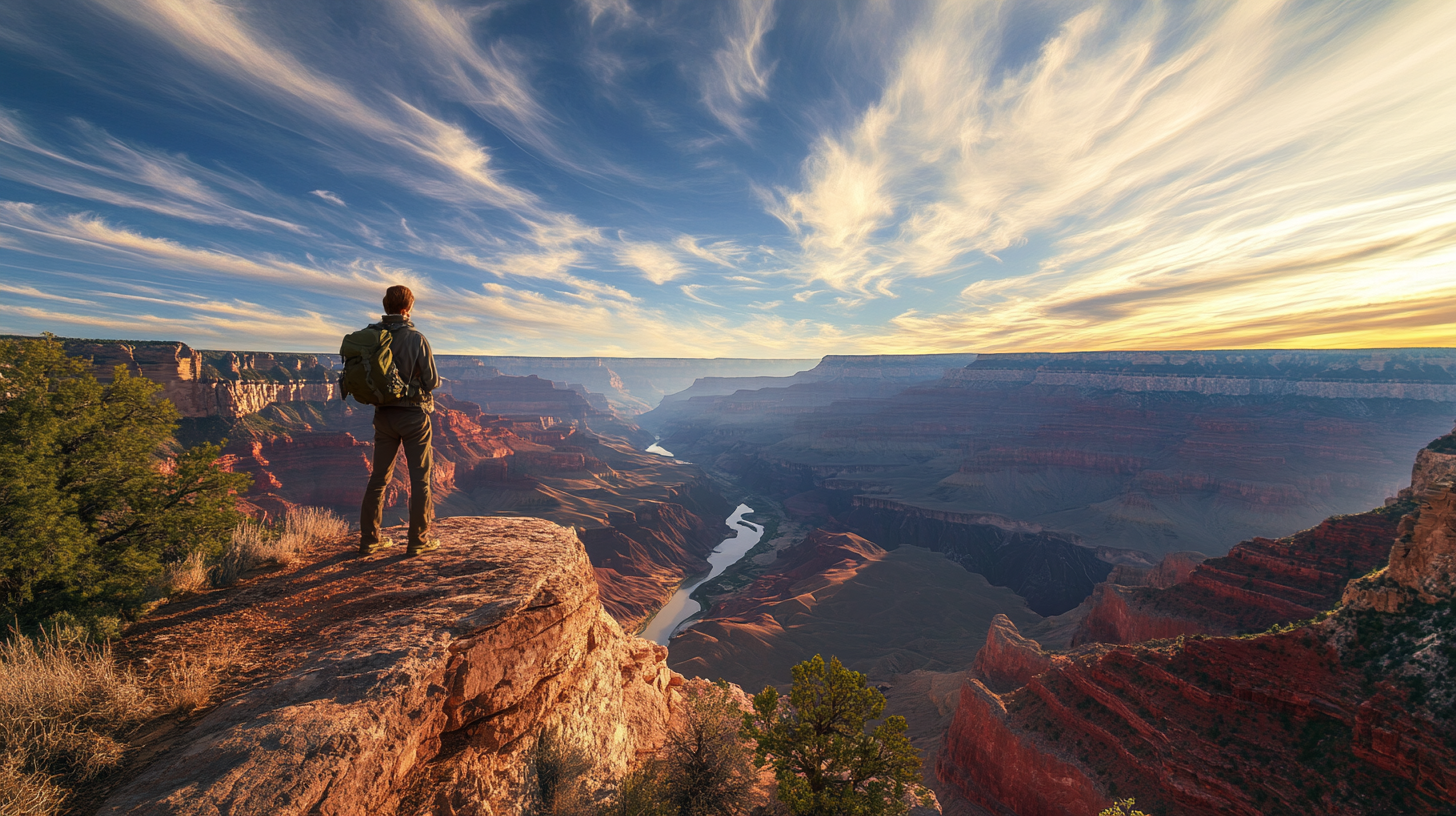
[[825, 761], [93, 500]]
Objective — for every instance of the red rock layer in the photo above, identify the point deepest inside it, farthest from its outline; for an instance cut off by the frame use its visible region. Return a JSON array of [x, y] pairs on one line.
[[1276, 724], [1008, 660], [1260, 582], [222, 384], [1352, 715]]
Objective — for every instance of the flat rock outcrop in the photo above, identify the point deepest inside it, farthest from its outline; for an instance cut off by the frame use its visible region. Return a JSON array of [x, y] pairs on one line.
[[415, 686]]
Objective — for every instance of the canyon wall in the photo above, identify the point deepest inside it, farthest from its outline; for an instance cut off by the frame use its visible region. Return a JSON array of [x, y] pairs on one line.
[[409, 686], [1261, 582], [648, 521], [222, 384], [1353, 714]]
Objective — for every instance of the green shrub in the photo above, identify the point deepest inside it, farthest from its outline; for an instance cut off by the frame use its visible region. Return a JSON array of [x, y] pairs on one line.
[[707, 767], [824, 760], [92, 502]]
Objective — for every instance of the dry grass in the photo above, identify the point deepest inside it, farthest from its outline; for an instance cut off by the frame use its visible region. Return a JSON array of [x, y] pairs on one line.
[[27, 794], [254, 544], [191, 679], [314, 524], [186, 576], [62, 706]]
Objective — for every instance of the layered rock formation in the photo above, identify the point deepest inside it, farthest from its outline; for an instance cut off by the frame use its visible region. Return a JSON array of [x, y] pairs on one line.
[[223, 384], [648, 521], [1351, 715], [408, 686], [1407, 374], [1160, 453], [1261, 582]]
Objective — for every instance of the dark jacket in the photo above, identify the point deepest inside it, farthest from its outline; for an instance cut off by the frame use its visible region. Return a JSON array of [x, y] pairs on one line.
[[415, 361]]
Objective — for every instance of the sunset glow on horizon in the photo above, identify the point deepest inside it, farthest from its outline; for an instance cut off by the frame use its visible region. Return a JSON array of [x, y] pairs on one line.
[[736, 179]]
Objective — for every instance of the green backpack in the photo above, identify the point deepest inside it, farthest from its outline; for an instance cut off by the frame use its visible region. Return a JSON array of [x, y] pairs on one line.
[[370, 375]]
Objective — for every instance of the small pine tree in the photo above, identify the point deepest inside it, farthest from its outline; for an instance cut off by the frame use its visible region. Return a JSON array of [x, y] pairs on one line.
[[708, 767], [824, 761], [90, 506]]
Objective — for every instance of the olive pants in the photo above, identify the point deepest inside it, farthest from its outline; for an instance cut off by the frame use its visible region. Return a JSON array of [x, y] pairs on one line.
[[394, 427]]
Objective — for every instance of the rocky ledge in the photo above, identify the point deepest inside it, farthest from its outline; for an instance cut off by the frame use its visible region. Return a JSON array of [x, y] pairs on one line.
[[408, 686]]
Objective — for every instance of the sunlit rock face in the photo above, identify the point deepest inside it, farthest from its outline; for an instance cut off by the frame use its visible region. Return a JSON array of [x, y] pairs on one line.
[[1354, 714], [224, 384], [416, 686], [519, 445]]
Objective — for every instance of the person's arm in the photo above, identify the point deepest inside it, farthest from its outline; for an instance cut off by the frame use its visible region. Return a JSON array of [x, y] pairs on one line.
[[429, 377]]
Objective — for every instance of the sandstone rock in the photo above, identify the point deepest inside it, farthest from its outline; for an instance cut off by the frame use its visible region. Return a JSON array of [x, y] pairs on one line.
[[225, 384], [1347, 716], [1261, 582], [417, 685], [1424, 557], [1008, 660], [1422, 565]]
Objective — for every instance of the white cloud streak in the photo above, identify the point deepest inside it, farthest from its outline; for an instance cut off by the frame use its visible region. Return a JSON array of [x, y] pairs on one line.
[[739, 74], [1224, 176], [655, 263]]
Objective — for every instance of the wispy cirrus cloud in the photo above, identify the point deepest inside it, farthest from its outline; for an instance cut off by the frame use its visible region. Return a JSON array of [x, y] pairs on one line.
[[221, 39], [949, 175], [740, 71], [652, 261], [1212, 172], [103, 168]]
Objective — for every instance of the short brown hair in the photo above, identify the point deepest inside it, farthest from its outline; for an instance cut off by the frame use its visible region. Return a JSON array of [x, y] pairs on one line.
[[398, 300]]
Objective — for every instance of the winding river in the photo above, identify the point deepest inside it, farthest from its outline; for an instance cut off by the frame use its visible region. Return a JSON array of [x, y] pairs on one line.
[[680, 606]]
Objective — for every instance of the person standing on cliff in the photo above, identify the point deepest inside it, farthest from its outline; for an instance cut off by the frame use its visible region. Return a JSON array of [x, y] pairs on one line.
[[403, 422]]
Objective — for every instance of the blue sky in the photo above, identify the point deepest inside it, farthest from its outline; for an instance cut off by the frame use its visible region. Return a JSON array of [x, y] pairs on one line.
[[732, 178]]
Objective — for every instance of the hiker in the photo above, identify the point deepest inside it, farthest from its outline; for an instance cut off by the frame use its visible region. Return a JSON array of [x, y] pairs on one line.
[[401, 417]]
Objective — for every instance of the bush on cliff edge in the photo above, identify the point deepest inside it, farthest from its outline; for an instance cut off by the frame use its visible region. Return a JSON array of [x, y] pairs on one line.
[[825, 762], [91, 505]]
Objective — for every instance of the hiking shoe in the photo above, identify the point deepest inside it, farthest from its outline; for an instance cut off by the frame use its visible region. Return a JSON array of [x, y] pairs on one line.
[[370, 549], [423, 547]]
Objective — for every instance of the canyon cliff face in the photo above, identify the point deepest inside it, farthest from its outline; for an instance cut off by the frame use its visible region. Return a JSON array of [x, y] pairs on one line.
[[648, 521], [1260, 583], [1354, 714], [387, 685], [223, 384], [503, 445]]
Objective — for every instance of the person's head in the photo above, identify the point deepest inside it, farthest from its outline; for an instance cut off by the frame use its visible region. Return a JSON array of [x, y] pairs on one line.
[[398, 300]]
